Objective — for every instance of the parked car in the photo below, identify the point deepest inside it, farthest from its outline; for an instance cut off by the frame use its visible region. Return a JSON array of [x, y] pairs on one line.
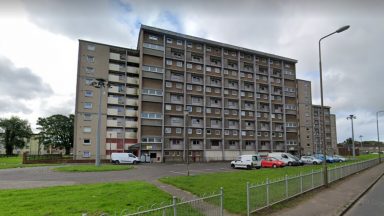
[[247, 161], [272, 162], [311, 160], [118, 158], [328, 159], [287, 158], [339, 158]]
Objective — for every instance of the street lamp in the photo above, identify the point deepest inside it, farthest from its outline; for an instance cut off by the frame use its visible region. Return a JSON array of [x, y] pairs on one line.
[[361, 141], [378, 133], [186, 113], [353, 135], [322, 102], [100, 84]]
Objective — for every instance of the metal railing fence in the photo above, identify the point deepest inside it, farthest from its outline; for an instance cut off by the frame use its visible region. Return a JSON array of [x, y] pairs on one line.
[[206, 205], [260, 196]]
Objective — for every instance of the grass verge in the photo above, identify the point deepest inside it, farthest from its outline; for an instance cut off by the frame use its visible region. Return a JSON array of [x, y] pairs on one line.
[[234, 183], [16, 162], [92, 168], [93, 199]]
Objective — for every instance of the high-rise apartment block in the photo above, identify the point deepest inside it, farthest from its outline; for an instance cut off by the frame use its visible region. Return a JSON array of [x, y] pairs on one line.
[[177, 94]]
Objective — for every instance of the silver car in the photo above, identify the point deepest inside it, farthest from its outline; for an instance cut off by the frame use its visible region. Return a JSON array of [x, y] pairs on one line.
[[310, 160]]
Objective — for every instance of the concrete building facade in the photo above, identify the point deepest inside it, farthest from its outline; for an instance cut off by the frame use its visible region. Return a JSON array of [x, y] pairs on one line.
[[179, 95]]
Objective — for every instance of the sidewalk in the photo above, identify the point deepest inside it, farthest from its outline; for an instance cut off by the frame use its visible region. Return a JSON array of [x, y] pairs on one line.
[[339, 195]]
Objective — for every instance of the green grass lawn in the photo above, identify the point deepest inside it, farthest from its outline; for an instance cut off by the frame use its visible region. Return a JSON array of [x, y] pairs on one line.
[[92, 168], [16, 162], [93, 199], [234, 183]]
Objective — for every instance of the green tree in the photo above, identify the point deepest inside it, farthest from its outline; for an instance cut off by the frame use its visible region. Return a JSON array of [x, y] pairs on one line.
[[57, 131], [16, 132]]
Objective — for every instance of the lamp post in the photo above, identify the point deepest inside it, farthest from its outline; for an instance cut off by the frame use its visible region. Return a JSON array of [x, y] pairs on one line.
[[186, 112], [353, 135], [361, 141], [100, 84], [322, 103], [378, 133]]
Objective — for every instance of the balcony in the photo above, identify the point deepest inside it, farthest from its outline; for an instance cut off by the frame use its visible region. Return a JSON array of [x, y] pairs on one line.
[[115, 78], [114, 123], [132, 102], [134, 81], [131, 135], [117, 56], [112, 112], [133, 70], [113, 100], [131, 113], [116, 89], [132, 91], [111, 134], [131, 124], [134, 59]]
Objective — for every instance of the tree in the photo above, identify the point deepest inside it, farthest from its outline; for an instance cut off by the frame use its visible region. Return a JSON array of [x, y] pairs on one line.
[[57, 131], [16, 132]]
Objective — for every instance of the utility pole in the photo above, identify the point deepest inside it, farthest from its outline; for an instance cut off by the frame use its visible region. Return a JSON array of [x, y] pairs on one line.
[[353, 135]]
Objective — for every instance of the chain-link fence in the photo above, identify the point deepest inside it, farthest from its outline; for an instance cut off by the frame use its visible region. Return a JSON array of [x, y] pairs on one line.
[[260, 196], [206, 205]]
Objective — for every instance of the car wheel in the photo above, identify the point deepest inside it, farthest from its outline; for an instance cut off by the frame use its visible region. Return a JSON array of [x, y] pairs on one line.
[[233, 166], [134, 162], [249, 167], [258, 167], [314, 163], [289, 163], [274, 166], [117, 162]]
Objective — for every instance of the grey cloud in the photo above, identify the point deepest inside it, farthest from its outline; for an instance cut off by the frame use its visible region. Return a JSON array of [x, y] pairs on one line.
[[11, 105], [64, 106], [21, 83]]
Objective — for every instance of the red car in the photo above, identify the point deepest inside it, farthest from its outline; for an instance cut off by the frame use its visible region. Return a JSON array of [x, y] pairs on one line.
[[272, 162]]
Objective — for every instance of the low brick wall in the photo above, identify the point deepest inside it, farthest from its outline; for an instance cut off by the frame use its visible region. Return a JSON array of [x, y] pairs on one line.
[[58, 160]]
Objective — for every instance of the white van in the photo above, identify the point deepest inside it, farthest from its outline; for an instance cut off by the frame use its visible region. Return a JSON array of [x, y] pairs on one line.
[[118, 158], [247, 161], [287, 158]]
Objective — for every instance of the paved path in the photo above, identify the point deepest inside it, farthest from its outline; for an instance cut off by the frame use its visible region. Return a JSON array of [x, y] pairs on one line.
[[45, 176], [335, 199], [372, 203]]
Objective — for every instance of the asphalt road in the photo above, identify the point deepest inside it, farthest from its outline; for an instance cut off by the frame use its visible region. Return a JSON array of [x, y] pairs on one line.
[[45, 176], [372, 203]]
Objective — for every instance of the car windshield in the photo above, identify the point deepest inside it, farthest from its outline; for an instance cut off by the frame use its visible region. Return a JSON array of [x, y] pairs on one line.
[[254, 158], [294, 157]]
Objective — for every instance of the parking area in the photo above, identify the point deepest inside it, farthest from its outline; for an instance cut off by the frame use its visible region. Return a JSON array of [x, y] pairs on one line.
[[45, 176]]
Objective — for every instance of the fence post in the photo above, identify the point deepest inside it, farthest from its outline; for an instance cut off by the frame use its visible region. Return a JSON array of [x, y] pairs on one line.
[[174, 206], [313, 186], [248, 204], [221, 201], [286, 186], [301, 182], [267, 188]]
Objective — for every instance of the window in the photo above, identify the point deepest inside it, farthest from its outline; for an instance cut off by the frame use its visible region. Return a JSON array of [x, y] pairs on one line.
[[217, 70], [151, 115], [217, 111], [91, 47], [195, 142], [199, 88], [242, 113], [198, 67], [179, 85], [208, 110], [179, 64], [153, 37], [179, 108], [168, 107], [168, 62], [89, 70], [198, 109], [86, 154], [208, 69], [217, 90], [235, 133], [226, 132], [87, 117], [198, 131], [243, 133], [189, 87], [178, 130], [217, 132], [87, 105], [90, 59], [189, 44], [168, 130], [179, 42], [208, 131], [189, 65], [209, 49], [168, 84], [87, 130], [88, 81], [169, 40], [189, 130], [88, 93], [87, 141], [208, 89]]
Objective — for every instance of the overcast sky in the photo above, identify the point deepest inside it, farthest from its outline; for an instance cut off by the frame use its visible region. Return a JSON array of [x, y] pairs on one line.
[[39, 45]]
